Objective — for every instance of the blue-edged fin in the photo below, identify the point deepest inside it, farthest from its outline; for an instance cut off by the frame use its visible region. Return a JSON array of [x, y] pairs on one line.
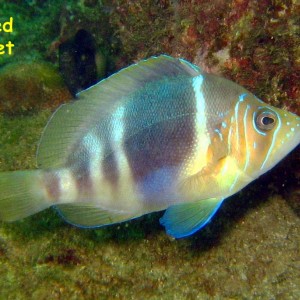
[[89, 215], [184, 219], [71, 121]]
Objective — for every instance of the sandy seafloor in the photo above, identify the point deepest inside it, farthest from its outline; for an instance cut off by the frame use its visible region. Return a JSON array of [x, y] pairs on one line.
[[250, 250], [256, 258]]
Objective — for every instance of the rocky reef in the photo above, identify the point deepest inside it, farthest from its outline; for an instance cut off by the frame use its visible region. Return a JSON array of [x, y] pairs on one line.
[[250, 250], [32, 86]]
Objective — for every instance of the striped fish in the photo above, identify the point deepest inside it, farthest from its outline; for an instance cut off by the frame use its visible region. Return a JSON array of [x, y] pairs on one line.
[[160, 134]]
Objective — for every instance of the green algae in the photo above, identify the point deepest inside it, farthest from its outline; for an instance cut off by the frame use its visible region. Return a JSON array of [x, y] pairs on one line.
[[39, 28], [31, 86], [23, 131], [138, 36], [33, 29]]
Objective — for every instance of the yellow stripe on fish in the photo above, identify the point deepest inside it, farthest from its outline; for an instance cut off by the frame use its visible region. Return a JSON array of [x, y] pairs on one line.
[[160, 134]]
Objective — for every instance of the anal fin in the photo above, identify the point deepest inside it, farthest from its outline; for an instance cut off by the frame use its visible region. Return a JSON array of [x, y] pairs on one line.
[[181, 220], [89, 215]]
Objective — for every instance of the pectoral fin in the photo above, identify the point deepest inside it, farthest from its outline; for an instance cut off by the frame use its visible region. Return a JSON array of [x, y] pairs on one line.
[[184, 219]]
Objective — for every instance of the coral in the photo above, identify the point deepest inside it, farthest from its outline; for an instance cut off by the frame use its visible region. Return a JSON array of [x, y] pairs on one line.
[[31, 86]]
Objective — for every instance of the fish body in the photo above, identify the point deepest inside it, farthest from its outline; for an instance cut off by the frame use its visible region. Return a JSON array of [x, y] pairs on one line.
[[157, 135]]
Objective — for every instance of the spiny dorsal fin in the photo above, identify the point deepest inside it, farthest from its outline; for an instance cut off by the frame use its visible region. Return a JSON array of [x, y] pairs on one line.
[[72, 120]]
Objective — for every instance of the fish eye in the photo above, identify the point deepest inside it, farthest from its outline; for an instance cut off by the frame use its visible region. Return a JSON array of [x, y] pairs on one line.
[[265, 120]]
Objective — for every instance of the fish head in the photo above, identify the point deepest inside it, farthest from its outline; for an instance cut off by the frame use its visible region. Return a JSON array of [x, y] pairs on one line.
[[266, 134], [279, 130]]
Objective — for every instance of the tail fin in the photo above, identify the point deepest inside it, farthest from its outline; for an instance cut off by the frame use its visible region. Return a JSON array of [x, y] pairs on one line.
[[21, 194]]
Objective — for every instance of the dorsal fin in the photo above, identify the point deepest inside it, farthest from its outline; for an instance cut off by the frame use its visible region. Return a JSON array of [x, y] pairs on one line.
[[72, 120]]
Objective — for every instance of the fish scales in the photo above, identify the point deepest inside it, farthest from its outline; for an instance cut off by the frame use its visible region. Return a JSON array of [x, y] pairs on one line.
[[165, 134], [158, 135], [163, 138]]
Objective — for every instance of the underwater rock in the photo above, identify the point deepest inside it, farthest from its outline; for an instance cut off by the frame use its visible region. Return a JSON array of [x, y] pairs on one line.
[[80, 63], [31, 86], [254, 45]]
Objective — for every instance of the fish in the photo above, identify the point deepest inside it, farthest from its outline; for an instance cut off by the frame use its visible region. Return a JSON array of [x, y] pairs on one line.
[[158, 135]]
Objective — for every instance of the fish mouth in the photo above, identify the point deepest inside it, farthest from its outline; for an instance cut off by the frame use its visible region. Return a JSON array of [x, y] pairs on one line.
[[288, 145]]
